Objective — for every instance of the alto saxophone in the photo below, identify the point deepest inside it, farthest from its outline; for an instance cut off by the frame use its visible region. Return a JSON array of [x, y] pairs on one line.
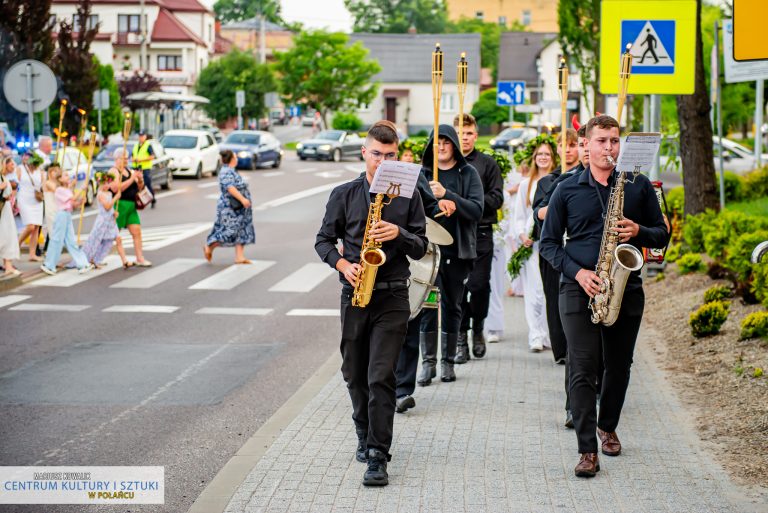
[[371, 254], [615, 261]]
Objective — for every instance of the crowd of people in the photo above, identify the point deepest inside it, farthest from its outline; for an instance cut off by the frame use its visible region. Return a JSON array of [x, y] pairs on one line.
[[555, 209]]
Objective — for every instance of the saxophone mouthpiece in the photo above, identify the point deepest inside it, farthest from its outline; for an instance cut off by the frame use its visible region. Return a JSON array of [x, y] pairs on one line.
[[610, 160]]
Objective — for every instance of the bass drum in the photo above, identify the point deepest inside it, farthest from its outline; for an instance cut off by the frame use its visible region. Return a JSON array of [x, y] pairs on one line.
[[422, 292]]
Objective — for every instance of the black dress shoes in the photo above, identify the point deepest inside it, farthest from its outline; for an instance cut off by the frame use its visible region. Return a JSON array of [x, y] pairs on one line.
[[362, 446], [478, 344], [405, 403], [376, 473]]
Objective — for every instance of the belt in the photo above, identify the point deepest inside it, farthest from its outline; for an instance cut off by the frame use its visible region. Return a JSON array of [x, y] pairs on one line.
[[388, 285], [484, 226]]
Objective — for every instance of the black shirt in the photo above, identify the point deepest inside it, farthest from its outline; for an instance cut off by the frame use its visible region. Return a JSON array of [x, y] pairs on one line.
[[576, 209], [490, 176], [346, 215], [544, 190], [129, 193]]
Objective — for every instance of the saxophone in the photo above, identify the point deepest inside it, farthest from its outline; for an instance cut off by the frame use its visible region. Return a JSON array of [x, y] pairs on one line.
[[615, 261]]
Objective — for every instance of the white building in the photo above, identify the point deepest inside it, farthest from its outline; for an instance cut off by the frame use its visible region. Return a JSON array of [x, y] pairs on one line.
[[180, 37], [405, 90]]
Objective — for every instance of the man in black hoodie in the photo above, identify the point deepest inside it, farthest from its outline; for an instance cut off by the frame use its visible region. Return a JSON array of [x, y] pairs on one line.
[[474, 306], [460, 194]]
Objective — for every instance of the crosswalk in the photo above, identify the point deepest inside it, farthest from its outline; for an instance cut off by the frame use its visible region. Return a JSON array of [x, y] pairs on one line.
[[287, 280]]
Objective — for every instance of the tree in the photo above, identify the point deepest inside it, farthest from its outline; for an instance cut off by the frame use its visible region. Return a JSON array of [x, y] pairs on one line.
[[111, 118], [326, 73], [398, 16], [237, 10], [74, 66], [579, 37], [25, 33], [696, 138], [236, 70], [137, 83]]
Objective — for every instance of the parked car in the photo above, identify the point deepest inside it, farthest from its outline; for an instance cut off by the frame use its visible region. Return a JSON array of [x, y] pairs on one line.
[[736, 157], [331, 145], [254, 148], [214, 130], [512, 139], [194, 152], [75, 163], [161, 165]]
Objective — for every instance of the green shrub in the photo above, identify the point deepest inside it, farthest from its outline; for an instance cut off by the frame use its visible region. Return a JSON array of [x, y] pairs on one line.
[[755, 184], [690, 263], [717, 293], [673, 252], [346, 121], [709, 318], [759, 286], [726, 227], [738, 254], [693, 230], [754, 325], [733, 186], [676, 201]]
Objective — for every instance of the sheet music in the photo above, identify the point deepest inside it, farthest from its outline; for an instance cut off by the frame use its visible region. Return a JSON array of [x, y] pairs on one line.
[[638, 153], [391, 173]]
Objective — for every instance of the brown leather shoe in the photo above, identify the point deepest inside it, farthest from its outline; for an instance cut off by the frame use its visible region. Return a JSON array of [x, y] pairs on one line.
[[610, 442], [588, 466]]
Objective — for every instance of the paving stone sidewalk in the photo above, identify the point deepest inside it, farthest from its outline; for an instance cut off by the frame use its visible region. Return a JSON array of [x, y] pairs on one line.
[[493, 441]]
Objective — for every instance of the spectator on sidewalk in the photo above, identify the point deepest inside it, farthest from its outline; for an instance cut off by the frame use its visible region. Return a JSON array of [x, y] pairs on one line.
[[234, 213], [29, 199], [127, 214], [9, 237]]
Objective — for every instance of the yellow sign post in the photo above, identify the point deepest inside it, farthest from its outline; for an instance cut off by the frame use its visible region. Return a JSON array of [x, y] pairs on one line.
[[662, 35], [749, 30]]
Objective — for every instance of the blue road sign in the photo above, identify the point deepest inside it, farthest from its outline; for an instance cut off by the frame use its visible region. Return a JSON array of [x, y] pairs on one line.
[[653, 45], [510, 93]]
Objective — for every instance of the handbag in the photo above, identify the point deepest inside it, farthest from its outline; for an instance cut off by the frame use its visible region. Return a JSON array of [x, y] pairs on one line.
[[144, 198], [38, 192]]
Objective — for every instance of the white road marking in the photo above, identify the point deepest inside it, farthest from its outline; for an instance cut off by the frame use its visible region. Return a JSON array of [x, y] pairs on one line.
[[307, 170], [212, 196], [9, 300], [141, 309], [162, 236], [329, 174], [233, 276], [313, 312], [40, 307], [304, 279], [298, 195], [72, 277], [234, 311], [209, 184], [271, 173], [159, 274]]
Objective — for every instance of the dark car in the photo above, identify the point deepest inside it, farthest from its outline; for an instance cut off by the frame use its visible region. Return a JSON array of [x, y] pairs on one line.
[[331, 145], [161, 165], [512, 139], [254, 148]]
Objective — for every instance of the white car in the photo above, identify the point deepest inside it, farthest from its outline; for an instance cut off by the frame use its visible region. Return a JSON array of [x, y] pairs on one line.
[[736, 157], [194, 152]]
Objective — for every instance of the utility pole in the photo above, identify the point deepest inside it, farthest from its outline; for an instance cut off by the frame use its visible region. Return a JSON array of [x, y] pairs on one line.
[[262, 35]]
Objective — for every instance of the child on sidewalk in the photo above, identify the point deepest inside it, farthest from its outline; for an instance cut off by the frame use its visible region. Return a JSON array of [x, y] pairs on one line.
[[63, 232], [104, 232]]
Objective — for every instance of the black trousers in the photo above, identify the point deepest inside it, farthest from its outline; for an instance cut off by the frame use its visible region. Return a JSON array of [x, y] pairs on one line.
[[408, 361], [550, 278], [477, 293], [585, 341], [371, 339], [451, 278]]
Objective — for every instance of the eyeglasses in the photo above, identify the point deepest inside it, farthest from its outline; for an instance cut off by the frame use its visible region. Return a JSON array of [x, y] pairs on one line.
[[377, 155]]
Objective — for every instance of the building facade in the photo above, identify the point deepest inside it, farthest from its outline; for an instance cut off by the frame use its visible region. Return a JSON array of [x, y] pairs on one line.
[[180, 37], [245, 35], [535, 15]]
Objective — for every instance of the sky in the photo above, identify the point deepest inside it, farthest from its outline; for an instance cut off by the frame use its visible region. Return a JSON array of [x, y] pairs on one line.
[[328, 14]]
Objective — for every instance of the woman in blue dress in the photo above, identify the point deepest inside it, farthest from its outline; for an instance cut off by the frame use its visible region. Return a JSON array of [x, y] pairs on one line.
[[234, 216]]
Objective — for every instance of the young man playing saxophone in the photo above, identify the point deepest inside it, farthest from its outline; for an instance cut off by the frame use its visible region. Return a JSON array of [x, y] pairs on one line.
[[371, 337], [578, 206]]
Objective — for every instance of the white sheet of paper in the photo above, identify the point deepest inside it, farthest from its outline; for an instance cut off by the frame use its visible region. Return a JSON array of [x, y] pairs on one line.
[[391, 172], [638, 152]]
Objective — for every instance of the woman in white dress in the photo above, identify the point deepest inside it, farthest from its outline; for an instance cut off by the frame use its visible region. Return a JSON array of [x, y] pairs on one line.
[[543, 163], [9, 243], [31, 179]]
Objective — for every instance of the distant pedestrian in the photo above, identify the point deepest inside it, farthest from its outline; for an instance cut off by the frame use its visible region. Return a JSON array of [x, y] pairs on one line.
[[234, 215], [105, 232], [128, 217], [9, 243], [63, 232], [30, 201]]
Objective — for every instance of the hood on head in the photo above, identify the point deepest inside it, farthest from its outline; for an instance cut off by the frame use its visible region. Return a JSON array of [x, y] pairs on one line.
[[448, 132]]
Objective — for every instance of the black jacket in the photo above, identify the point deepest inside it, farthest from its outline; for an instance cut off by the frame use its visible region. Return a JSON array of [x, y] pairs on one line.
[[544, 189], [490, 177], [468, 199]]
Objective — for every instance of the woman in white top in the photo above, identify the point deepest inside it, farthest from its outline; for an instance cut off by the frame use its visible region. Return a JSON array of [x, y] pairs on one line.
[[31, 179], [543, 162], [9, 244]]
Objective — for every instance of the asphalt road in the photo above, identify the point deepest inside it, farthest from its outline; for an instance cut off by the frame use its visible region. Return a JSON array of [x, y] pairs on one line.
[[176, 365]]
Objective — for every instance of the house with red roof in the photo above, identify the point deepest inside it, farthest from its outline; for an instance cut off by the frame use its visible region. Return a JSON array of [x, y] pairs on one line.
[[180, 37]]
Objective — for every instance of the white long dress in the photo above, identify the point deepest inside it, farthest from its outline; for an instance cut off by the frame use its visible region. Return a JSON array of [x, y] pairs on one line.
[[510, 238], [30, 210], [533, 289], [500, 282], [9, 236]]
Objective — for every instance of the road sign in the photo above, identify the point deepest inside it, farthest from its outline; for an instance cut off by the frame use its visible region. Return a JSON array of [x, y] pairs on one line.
[[745, 71], [510, 93], [43, 85], [240, 99], [101, 99], [555, 104], [663, 38], [749, 23], [530, 109]]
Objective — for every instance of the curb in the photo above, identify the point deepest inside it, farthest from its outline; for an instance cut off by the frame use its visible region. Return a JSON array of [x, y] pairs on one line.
[[216, 496]]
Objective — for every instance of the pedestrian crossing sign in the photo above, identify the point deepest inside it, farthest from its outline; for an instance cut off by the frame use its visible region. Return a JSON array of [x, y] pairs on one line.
[[662, 35]]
